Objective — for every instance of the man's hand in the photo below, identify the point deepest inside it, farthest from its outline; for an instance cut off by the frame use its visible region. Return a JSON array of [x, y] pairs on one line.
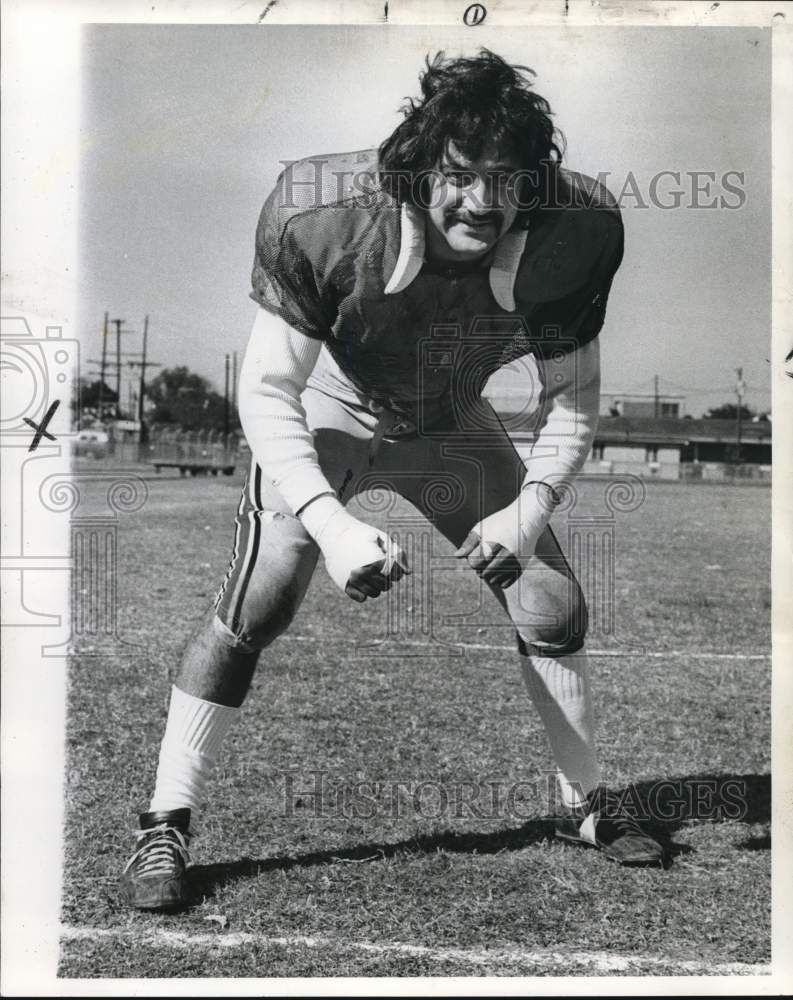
[[493, 545], [495, 564], [361, 560]]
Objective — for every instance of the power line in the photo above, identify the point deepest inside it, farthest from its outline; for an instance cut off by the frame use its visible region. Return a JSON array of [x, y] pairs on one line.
[[692, 389]]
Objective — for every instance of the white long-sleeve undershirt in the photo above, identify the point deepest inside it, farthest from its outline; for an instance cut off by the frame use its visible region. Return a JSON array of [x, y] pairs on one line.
[[569, 414], [563, 434], [277, 364]]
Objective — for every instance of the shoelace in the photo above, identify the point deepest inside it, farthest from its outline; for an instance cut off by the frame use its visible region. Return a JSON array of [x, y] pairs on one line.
[[607, 809], [157, 852]]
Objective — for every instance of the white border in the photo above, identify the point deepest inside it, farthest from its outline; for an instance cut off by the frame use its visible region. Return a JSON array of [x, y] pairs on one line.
[[40, 158]]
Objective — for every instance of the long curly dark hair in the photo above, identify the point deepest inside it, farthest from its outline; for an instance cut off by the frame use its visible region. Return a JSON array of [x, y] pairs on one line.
[[474, 102]]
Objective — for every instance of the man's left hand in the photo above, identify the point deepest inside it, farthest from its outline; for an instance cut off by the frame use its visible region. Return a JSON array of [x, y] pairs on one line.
[[492, 545]]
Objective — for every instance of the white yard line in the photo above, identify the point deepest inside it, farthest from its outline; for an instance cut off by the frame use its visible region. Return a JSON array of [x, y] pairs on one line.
[[648, 654], [595, 961]]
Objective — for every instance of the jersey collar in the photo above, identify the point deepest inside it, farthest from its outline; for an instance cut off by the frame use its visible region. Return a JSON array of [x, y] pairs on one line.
[[503, 269]]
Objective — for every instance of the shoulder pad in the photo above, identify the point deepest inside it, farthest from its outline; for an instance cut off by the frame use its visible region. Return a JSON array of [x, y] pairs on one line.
[[563, 251], [324, 181]]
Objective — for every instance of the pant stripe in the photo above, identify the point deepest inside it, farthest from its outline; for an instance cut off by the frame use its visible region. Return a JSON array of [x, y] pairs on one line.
[[239, 530], [253, 542], [246, 542]]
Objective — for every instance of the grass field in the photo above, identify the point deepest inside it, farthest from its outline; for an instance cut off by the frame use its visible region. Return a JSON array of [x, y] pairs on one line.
[[382, 810]]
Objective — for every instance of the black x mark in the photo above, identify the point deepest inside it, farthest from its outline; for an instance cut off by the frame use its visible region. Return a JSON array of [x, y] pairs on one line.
[[41, 429]]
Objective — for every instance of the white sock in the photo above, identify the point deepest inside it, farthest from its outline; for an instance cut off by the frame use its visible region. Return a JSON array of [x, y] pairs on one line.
[[561, 694], [193, 734]]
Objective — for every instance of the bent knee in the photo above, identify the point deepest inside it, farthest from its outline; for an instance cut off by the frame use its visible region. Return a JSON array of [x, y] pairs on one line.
[[252, 637], [257, 625], [558, 630], [263, 591]]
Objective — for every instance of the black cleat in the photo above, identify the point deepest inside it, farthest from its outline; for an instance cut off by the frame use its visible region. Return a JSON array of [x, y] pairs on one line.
[[155, 877], [604, 824]]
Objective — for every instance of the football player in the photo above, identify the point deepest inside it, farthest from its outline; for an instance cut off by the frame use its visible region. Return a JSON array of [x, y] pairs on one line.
[[391, 284]]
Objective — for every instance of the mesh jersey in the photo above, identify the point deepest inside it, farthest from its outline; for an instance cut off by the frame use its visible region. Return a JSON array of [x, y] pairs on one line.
[[328, 241]]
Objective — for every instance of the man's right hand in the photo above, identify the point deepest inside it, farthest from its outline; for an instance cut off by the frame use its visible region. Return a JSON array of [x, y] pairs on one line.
[[361, 560]]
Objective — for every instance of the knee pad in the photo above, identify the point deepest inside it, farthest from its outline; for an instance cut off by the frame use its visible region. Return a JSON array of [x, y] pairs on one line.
[[562, 637], [534, 647]]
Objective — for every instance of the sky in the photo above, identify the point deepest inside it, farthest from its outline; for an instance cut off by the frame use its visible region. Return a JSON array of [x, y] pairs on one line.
[[183, 129]]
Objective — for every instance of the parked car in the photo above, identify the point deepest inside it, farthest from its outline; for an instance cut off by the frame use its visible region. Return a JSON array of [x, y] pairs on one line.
[[91, 444]]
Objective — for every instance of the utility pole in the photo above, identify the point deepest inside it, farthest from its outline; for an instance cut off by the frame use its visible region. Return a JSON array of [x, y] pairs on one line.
[[118, 323], [102, 370], [234, 385], [226, 401], [132, 360], [656, 407], [740, 389], [143, 433]]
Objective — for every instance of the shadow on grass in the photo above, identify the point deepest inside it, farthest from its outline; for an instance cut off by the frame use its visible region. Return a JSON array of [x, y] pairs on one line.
[[670, 804], [762, 843], [665, 806], [206, 878]]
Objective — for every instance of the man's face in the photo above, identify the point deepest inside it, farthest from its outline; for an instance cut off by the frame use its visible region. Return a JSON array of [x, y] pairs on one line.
[[471, 206]]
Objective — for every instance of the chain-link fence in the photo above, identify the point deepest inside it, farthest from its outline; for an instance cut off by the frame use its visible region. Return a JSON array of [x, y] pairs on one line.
[[209, 452], [721, 472], [195, 452]]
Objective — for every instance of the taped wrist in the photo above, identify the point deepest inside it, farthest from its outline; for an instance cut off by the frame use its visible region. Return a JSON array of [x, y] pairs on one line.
[[537, 500], [324, 518], [553, 498], [348, 545]]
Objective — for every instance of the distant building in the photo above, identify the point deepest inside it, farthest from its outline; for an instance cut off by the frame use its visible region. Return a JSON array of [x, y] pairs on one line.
[[641, 404], [632, 439], [674, 448]]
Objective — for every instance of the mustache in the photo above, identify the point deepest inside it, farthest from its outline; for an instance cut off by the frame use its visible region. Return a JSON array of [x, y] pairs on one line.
[[479, 219]]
